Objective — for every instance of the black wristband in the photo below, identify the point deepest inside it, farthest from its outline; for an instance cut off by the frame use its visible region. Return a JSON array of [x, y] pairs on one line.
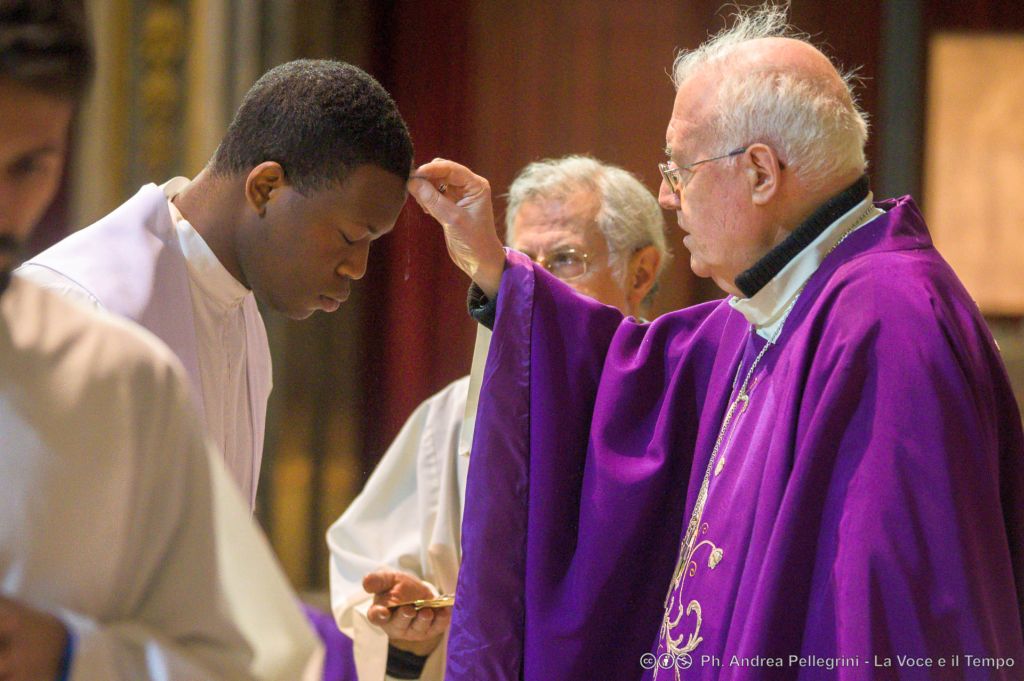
[[404, 665], [481, 308]]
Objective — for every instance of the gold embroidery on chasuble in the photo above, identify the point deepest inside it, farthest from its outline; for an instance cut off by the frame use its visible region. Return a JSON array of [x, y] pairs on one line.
[[696, 539], [675, 609]]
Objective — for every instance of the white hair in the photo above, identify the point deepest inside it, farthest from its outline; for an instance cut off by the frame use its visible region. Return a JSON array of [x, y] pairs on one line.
[[817, 129], [629, 217]]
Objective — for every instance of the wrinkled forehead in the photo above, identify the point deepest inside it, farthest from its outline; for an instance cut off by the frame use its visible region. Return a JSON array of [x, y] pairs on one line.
[[571, 203], [547, 222], [692, 113]]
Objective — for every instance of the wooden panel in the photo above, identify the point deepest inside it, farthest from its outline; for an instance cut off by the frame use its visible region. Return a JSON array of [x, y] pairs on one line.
[[419, 337], [985, 15], [850, 32], [975, 163]]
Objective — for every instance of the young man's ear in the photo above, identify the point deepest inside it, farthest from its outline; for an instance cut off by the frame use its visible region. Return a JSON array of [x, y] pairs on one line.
[[261, 183]]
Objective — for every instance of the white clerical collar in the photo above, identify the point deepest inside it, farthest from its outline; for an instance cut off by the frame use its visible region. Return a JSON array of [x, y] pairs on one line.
[[203, 265], [766, 309]]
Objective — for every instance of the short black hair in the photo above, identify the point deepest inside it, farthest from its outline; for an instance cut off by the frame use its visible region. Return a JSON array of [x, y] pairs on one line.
[[319, 119], [44, 45]]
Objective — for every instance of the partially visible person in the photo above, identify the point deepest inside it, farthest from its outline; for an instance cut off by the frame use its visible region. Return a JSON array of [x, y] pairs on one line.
[[125, 550], [595, 227], [311, 171]]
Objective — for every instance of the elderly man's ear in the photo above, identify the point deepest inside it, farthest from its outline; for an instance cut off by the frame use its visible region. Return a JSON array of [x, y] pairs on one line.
[[643, 269], [763, 170]]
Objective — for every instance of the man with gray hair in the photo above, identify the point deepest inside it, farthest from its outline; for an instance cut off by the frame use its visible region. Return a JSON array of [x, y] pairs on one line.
[[593, 226], [818, 477]]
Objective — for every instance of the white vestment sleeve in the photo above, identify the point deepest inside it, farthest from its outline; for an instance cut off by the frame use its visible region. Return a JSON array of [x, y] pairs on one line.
[[476, 378], [116, 514], [214, 603], [54, 281]]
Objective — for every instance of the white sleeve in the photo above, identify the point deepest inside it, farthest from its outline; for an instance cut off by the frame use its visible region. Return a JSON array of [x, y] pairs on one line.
[[213, 602], [54, 281], [381, 528]]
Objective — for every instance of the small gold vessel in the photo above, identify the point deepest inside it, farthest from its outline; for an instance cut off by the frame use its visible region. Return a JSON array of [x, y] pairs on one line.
[[445, 601]]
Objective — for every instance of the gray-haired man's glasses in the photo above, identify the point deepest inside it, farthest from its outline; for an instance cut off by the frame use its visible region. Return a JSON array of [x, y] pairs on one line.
[[673, 174], [566, 264]]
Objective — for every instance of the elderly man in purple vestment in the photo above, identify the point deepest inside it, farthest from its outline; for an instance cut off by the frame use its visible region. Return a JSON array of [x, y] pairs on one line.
[[818, 477]]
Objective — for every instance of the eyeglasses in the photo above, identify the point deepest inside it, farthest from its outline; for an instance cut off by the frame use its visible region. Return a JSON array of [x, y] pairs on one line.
[[566, 264], [673, 174]]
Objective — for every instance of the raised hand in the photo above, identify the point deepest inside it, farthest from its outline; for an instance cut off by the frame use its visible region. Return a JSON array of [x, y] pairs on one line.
[[461, 201]]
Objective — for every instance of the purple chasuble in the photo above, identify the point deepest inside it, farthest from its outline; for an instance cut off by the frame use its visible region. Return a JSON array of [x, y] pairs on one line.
[[865, 505], [339, 660]]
